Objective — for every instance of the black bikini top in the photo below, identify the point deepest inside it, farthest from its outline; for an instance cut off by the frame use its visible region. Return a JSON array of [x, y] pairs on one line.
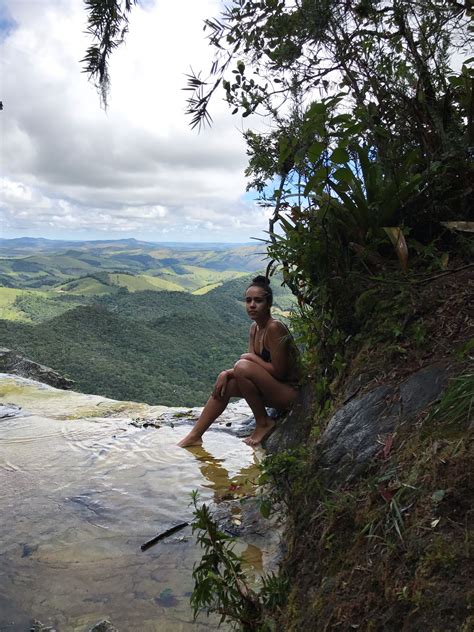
[[264, 353]]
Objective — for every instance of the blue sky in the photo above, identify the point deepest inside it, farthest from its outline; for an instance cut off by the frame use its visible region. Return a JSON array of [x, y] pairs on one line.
[[71, 170]]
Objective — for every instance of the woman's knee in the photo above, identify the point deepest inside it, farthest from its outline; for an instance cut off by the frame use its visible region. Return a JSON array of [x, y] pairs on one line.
[[243, 368]]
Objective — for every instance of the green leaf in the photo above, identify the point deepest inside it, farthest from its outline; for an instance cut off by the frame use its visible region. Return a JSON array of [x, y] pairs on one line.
[[316, 181], [316, 150], [343, 174], [316, 108], [265, 508], [340, 155]]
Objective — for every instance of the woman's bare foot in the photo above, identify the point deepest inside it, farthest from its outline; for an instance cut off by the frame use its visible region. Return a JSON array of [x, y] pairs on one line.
[[261, 431], [189, 440]]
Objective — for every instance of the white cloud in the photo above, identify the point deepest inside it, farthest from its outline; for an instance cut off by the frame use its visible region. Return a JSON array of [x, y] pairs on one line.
[[73, 170]]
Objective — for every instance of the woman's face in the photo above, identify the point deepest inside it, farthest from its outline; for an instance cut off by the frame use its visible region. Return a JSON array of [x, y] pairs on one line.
[[256, 302]]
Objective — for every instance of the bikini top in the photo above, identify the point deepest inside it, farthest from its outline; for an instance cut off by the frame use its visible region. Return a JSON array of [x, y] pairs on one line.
[[264, 353], [293, 376]]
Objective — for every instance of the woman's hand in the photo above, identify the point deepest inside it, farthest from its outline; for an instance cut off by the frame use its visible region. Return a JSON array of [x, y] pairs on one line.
[[220, 385]]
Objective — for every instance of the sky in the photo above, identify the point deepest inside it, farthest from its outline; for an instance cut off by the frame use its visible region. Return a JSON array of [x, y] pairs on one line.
[[70, 170]]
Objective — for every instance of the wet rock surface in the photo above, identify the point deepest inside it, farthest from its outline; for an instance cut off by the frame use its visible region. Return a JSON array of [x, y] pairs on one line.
[[115, 478], [12, 362], [237, 419], [103, 626], [37, 626], [8, 410]]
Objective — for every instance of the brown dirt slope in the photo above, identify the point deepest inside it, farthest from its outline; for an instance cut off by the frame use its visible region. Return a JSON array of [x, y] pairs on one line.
[[392, 550]]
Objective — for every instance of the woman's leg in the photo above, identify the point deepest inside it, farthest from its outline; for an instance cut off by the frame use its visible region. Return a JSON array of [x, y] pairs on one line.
[[211, 411], [259, 389]]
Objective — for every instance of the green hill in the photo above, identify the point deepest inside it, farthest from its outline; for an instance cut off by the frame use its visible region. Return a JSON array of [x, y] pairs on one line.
[[30, 263], [127, 319], [161, 348]]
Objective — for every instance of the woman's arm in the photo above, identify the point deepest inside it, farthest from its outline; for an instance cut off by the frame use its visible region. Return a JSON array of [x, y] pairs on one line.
[[220, 386], [278, 343], [276, 340], [252, 329], [253, 357]]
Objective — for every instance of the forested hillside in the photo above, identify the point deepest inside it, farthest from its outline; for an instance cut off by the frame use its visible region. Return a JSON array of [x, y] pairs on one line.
[[126, 342], [105, 266]]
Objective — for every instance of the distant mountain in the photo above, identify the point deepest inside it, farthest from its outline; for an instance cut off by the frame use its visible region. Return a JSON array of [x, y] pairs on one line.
[[157, 347], [20, 245], [41, 263]]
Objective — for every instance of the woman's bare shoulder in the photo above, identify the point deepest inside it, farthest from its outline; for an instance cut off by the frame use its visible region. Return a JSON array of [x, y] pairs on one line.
[[277, 328]]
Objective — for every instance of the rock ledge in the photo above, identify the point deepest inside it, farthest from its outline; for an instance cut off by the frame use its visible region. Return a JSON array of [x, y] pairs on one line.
[[12, 362]]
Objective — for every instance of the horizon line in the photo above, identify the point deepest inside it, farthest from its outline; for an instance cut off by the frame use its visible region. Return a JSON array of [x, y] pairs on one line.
[[171, 241]]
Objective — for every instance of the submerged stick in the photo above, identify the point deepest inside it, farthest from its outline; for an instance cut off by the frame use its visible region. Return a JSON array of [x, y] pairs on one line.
[[162, 535]]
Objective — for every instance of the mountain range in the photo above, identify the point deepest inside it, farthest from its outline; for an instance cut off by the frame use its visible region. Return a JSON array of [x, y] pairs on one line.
[[128, 319]]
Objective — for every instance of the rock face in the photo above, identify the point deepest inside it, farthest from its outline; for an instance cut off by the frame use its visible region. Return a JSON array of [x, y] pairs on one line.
[[293, 430], [11, 362], [356, 432]]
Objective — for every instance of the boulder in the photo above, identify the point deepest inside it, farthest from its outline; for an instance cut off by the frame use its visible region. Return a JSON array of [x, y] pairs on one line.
[[292, 430], [12, 362], [356, 431]]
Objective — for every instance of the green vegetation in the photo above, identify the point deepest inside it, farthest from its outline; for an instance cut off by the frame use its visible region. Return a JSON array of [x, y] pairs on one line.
[[9, 308], [221, 585], [38, 306], [157, 347], [101, 267], [206, 288], [139, 283]]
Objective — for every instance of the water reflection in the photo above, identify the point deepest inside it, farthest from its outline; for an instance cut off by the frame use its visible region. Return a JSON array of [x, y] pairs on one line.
[[219, 479], [226, 488]]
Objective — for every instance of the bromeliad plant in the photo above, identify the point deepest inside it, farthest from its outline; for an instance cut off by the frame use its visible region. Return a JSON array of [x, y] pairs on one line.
[[339, 198]]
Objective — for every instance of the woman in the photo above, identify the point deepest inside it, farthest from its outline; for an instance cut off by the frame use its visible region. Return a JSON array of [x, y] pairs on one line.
[[265, 376]]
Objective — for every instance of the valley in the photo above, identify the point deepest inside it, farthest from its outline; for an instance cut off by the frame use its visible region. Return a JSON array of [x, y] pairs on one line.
[[130, 320]]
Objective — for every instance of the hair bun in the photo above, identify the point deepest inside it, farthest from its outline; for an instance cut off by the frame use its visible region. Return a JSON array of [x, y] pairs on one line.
[[261, 280]]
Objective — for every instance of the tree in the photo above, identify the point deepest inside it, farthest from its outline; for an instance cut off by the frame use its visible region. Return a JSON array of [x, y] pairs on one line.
[[107, 25], [370, 129], [388, 58]]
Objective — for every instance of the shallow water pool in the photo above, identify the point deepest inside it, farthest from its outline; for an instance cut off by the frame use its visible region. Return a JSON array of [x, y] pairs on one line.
[[80, 491]]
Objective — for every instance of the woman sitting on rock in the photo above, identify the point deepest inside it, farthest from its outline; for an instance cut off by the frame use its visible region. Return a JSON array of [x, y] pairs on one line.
[[265, 376]]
